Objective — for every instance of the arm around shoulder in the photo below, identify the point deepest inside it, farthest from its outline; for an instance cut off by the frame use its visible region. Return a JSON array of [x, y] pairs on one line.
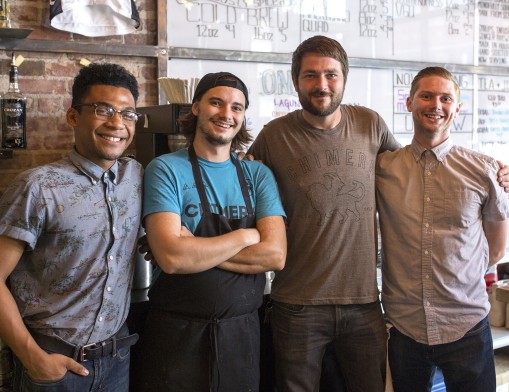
[[503, 176], [496, 234]]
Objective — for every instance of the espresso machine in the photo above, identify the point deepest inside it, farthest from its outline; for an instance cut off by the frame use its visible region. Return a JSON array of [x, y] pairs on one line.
[[157, 132]]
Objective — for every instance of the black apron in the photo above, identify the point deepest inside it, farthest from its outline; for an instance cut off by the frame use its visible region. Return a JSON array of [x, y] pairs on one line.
[[203, 332]]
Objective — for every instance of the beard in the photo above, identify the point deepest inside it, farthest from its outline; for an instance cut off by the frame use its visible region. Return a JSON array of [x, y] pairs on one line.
[[216, 140], [321, 112], [202, 127], [212, 139]]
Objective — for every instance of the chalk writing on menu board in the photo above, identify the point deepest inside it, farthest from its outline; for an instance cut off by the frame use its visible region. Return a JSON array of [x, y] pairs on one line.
[[483, 122], [493, 115], [494, 32], [469, 32], [414, 30]]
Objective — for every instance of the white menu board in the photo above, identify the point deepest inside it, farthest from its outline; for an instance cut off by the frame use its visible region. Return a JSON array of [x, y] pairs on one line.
[[444, 31], [493, 32], [493, 116], [483, 122]]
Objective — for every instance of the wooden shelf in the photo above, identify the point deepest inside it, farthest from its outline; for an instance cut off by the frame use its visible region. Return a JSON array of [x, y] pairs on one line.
[[15, 33]]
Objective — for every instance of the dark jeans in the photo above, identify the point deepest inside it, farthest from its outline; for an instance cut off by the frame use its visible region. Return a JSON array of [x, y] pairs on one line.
[[467, 364], [107, 374], [302, 333]]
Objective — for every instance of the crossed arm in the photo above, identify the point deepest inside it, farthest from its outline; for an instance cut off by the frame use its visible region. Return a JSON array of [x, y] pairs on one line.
[[247, 251]]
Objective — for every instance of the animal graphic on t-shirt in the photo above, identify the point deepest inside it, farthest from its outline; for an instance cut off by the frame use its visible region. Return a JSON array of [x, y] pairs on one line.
[[330, 197]]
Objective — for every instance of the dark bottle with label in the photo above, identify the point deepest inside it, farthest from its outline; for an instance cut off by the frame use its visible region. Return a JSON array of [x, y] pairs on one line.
[[13, 110]]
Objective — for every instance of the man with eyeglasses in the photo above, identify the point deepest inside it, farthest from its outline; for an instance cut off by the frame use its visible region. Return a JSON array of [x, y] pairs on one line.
[[68, 234]]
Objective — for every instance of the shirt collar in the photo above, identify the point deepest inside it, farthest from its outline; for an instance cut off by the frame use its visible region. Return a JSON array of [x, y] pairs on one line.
[[90, 169], [440, 151]]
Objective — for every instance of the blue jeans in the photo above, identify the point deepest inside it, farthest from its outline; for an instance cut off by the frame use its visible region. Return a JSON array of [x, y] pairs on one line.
[[467, 364], [107, 374], [302, 332]]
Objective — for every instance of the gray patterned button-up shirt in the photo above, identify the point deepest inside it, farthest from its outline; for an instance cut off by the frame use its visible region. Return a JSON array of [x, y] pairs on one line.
[[80, 225]]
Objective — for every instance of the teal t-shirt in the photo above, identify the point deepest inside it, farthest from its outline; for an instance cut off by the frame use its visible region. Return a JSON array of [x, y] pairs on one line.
[[169, 187]]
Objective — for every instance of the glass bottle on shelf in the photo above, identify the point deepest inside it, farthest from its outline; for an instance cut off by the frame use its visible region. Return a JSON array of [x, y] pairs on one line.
[[5, 14], [13, 110]]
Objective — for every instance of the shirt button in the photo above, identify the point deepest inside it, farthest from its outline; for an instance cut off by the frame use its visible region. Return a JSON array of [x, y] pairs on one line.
[[101, 318], [115, 182], [110, 257], [427, 303], [425, 252], [109, 198], [113, 228], [428, 173], [427, 277], [109, 289], [427, 225], [428, 199]]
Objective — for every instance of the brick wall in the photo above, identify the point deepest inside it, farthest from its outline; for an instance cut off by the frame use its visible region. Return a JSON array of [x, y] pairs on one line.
[[46, 80]]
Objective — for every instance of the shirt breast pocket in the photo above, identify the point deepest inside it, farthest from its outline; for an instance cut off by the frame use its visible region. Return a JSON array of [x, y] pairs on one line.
[[462, 208]]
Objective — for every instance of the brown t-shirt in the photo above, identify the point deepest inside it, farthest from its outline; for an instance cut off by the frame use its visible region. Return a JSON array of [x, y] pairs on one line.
[[327, 183]]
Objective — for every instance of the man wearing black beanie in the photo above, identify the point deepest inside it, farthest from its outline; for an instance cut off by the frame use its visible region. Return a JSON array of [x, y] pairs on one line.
[[215, 225]]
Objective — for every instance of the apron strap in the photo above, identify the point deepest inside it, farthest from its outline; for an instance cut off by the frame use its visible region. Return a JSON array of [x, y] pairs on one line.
[[201, 188], [198, 181], [243, 185]]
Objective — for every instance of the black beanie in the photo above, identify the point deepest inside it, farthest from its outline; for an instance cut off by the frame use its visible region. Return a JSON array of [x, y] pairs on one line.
[[216, 79]]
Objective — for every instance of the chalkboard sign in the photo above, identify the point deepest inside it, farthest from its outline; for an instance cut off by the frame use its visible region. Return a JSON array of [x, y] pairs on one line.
[[444, 31]]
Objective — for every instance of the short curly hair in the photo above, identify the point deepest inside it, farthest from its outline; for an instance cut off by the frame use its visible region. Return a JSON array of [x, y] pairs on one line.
[[102, 74]]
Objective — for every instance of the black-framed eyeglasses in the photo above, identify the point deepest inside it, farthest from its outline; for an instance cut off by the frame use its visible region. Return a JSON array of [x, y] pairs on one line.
[[106, 112]]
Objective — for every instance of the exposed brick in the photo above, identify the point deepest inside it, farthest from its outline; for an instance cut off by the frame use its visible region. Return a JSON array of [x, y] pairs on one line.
[[21, 160], [42, 159], [50, 105], [23, 15], [67, 100], [7, 175], [149, 72], [41, 86], [68, 69], [63, 141], [49, 33], [31, 67], [151, 26], [46, 79]]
